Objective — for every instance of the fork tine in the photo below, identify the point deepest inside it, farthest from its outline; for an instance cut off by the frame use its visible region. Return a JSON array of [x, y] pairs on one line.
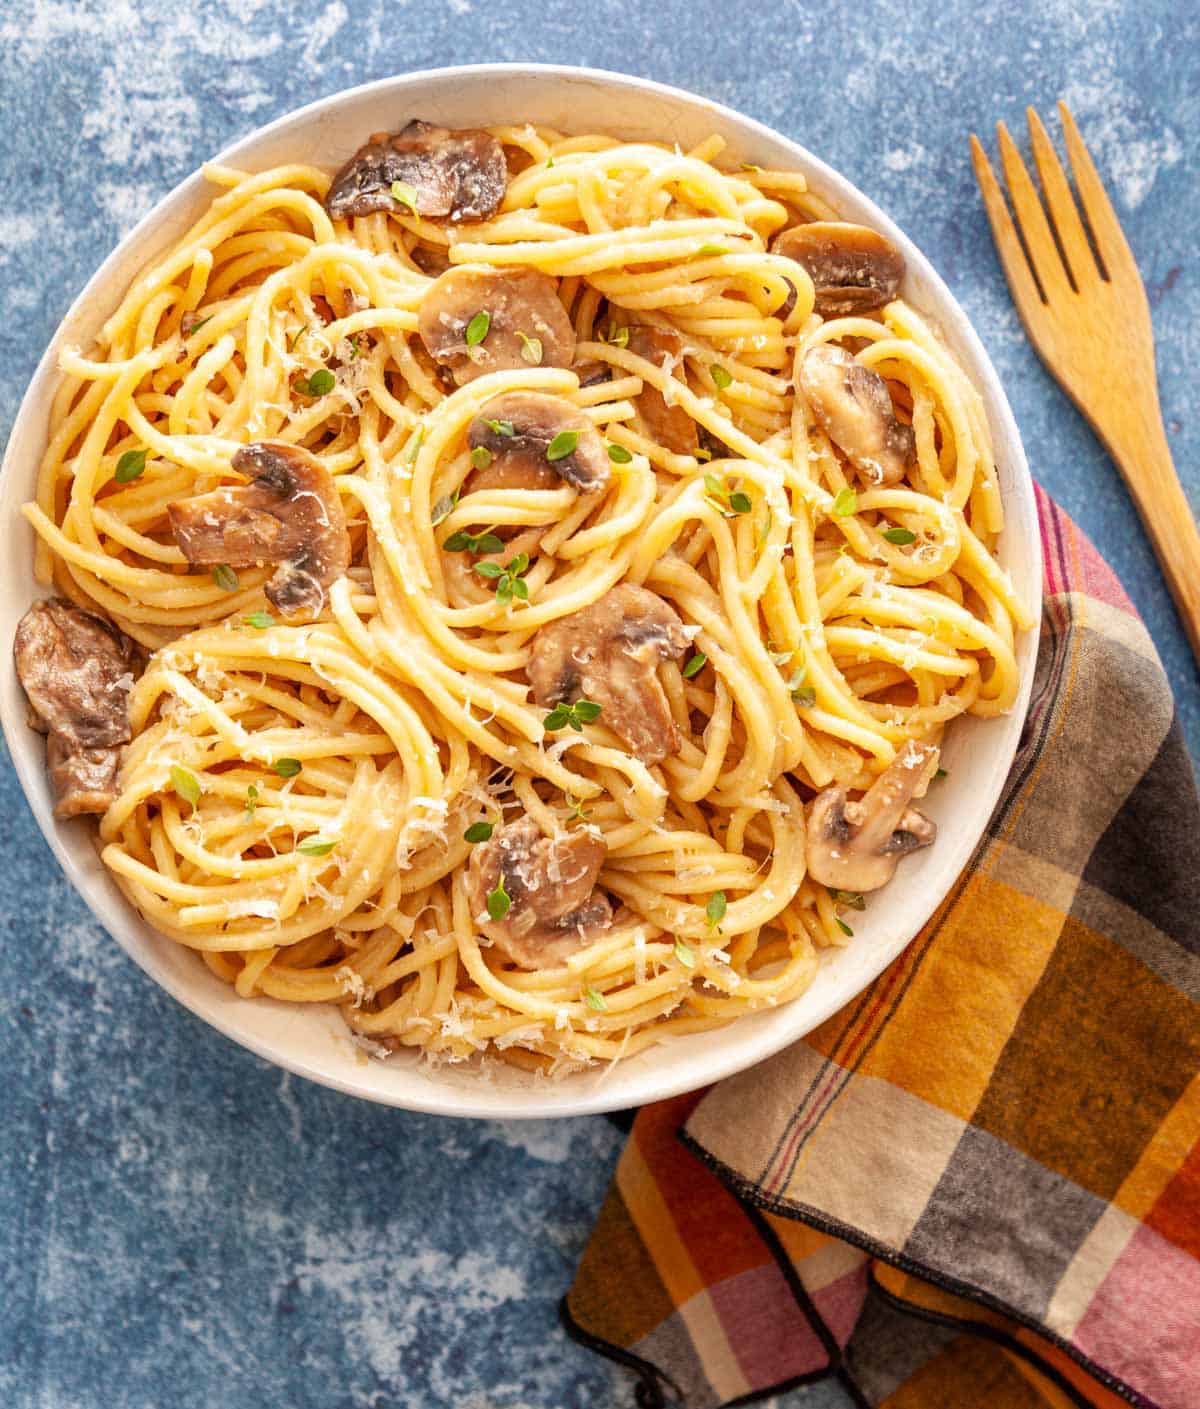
[[1025, 291], [1039, 241], [1063, 212], [1106, 228]]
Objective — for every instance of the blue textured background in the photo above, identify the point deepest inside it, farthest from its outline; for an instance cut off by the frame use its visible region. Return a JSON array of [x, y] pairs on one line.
[[182, 1225]]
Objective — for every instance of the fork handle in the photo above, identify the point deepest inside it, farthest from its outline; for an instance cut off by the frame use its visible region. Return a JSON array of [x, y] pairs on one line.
[[1144, 459]]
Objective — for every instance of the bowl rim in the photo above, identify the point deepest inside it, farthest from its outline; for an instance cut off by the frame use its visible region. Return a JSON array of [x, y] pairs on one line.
[[479, 1099]]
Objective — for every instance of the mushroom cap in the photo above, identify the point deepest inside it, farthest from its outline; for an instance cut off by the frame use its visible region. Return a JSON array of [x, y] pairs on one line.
[[854, 409], [519, 460], [517, 301], [670, 425], [554, 907], [84, 780], [855, 846], [853, 268], [77, 671], [456, 174], [609, 653], [290, 513]]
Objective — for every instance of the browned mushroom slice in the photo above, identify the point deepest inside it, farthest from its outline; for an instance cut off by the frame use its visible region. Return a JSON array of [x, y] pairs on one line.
[[289, 514], [609, 653], [84, 780], [554, 907], [504, 309], [853, 408], [670, 425], [518, 429], [855, 846], [853, 268], [450, 174], [77, 672]]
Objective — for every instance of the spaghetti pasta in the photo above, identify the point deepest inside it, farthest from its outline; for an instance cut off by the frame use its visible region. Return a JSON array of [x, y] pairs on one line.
[[302, 799]]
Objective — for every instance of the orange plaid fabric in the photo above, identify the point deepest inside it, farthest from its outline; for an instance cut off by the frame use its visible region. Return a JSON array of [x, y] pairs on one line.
[[979, 1184]]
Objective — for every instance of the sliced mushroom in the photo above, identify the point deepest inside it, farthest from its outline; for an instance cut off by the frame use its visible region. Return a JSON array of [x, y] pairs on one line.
[[670, 425], [855, 845], [519, 459], [554, 907], [853, 408], [853, 268], [456, 174], [518, 305], [609, 653], [77, 672], [290, 513]]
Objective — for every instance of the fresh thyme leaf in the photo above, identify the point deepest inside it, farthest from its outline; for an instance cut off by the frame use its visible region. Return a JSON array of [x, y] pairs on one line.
[[504, 428], [489, 570], [712, 249], [443, 508], [286, 767], [296, 336], [195, 327], [595, 999], [225, 578], [805, 697], [481, 457], [843, 926], [899, 536], [739, 502], [316, 848], [498, 901], [562, 445], [619, 455], [574, 716], [695, 665], [845, 502], [251, 802], [478, 831], [403, 194], [720, 376], [130, 466], [579, 813], [852, 899], [477, 328], [618, 337], [411, 450], [186, 784], [714, 487], [321, 383], [531, 349], [259, 620], [684, 953], [714, 911]]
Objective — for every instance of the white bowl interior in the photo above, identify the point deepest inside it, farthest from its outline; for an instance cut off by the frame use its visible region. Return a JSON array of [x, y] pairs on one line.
[[313, 1042]]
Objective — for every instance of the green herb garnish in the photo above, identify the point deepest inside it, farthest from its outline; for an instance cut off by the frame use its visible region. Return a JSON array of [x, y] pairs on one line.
[[851, 899], [618, 337], [296, 336], [714, 911], [443, 508], [477, 328], [720, 376], [684, 953], [712, 249], [461, 542], [498, 901], [130, 466], [573, 715], [321, 383], [403, 194], [481, 457], [595, 999], [259, 620], [843, 926], [316, 848], [251, 802], [729, 502], [805, 697], [410, 451], [695, 665], [504, 428], [194, 328], [618, 454], [531, 349], [186, 784], [225, 578], [899, 536], [845, 502], [579, 813], [508, 579], [286, 767], [562, 445], [478, 831]]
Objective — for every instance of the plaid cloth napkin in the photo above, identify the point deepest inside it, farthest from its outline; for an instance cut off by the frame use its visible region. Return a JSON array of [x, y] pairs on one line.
[[978, 1185]]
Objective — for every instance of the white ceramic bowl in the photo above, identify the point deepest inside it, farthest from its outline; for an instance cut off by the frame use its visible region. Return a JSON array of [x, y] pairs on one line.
[[313, 1041]]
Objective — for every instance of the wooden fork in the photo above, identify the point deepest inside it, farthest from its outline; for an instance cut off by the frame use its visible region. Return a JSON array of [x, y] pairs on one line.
[[1086, 313]]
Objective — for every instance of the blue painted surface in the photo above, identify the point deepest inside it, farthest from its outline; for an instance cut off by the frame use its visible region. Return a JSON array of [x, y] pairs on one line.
[[180, 1224]]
